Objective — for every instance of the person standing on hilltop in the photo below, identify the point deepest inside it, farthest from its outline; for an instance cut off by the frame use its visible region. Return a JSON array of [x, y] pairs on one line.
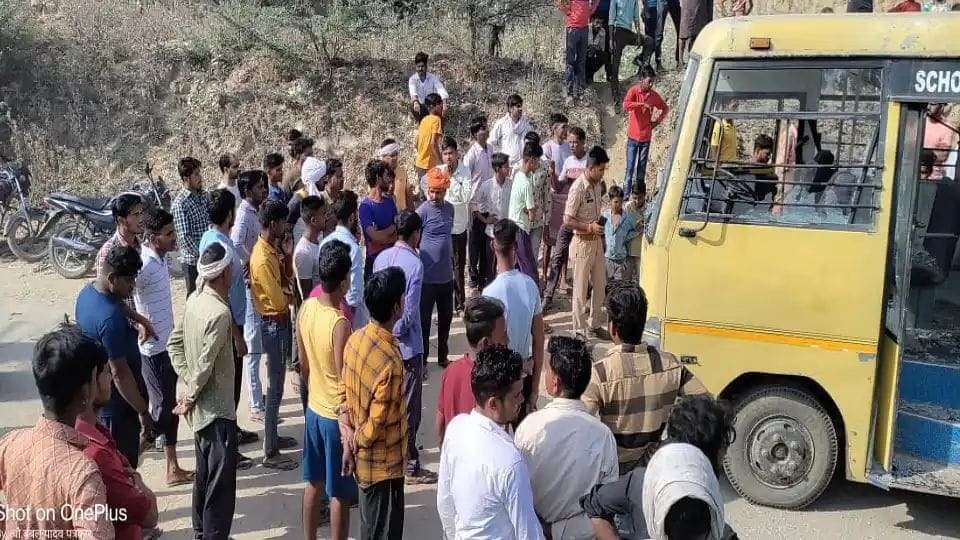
[[421, 84], [647, 110], [509, 132], [283, 184], [189, 211], [229, 172], [429, 136], [694, 15], [626, 28], [664, 8], [577, 14]]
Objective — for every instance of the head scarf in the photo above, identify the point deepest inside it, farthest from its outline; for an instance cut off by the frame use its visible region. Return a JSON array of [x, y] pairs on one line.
[[675, 471], [437, 178], [210, 272], [388, 150], [313, 171]]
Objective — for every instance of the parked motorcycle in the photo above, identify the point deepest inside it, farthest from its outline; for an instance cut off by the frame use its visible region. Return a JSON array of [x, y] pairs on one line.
[[75, 242], [27, 229]]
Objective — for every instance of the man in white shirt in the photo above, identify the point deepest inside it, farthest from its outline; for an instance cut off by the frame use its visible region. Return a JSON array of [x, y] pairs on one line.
[[422, 84], [477, 160], [154, 301], [521, 298], [564, 436], [459, 196], [306, 255], [490, 202], [508, 132], [229, 172], [484, 489]]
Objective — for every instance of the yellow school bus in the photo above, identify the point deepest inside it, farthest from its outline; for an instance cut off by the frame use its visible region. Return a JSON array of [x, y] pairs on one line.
[[798, 251]]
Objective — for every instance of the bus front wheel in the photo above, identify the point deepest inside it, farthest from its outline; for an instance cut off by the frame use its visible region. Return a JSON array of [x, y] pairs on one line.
[[785, 450]]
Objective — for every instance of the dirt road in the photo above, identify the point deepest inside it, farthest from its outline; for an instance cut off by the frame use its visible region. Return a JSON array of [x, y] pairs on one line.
[[268, 503]]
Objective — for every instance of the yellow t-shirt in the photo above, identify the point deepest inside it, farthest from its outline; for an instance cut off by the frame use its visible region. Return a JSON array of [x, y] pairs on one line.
[[315, 324], [429, 126], [726, 132]]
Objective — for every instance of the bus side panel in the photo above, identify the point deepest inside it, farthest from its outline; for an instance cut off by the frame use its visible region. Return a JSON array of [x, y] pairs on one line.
[[887, 381], [847, 376]]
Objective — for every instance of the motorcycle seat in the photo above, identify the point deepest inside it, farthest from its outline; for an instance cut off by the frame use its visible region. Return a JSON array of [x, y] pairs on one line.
[[94, 204]]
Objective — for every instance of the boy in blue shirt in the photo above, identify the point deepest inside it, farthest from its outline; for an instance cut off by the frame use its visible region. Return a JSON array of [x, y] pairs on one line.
[[619, 228]]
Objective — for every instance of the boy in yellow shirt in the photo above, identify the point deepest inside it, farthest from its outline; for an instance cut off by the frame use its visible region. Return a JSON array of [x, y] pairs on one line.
[[429, 137]]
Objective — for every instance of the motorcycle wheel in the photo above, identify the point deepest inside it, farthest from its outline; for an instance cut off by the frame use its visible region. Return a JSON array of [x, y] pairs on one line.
[[23, 240], [70, 263]]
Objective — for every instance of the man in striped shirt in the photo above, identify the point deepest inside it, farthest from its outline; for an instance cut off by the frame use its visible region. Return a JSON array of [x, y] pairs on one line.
[[635, 386], [190, 218], [154, 301]]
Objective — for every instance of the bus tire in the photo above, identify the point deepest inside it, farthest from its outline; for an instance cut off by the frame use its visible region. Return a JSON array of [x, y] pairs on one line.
[[785, 450]]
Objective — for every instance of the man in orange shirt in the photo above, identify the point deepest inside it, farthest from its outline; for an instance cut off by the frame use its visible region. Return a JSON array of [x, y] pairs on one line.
[[271, 270], [429, 137]]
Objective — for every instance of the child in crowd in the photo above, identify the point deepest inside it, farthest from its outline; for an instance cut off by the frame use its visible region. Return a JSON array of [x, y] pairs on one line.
[[637, 206], [619, 228]]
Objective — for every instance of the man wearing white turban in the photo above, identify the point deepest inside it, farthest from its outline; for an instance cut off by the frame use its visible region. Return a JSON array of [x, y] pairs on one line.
[[201, 352]]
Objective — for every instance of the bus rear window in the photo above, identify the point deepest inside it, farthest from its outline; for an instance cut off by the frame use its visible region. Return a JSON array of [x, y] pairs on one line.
[[791, 146]]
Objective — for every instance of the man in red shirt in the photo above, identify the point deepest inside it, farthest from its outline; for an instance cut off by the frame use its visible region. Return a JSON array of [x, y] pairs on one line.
[[640, 103], [578, 14], [906, 6], [485, 326], [133, 506]]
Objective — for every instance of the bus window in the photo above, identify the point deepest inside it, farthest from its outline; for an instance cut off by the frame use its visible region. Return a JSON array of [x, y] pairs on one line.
[[788, 146]]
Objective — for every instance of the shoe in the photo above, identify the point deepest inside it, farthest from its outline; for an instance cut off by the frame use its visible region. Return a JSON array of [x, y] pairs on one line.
[[243, 462], [180, 478], [246, 437], [600, 333], [286, 443], [423, 476], [256, 416], [279, 462]]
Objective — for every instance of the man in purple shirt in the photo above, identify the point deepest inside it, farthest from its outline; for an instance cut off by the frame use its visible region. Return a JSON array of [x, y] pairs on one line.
[[377, 212], [436, 249], [408, 332]]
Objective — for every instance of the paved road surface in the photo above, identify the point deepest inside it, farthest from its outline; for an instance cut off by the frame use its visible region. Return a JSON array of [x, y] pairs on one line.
[[268, 503]]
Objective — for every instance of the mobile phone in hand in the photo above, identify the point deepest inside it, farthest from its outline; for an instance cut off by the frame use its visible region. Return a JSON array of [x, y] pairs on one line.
[[602, 221]]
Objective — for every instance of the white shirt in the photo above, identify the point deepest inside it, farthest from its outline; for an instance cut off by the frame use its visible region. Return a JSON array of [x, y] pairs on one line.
[[495, 199], [459, 196], [236, 193], [306, 261], [153, 300], [431, 84], [477, 160], [521, 299], [573, 167], [507, 137], [564, 437], [556, 153], [484, 487]]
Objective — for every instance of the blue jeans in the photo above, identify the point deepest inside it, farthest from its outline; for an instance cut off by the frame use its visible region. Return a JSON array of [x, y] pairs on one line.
[[576, 60], [277, 346], [637, 154], [252, 335]]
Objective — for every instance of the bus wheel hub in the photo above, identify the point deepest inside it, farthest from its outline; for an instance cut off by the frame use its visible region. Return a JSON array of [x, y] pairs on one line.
[[781, 451]]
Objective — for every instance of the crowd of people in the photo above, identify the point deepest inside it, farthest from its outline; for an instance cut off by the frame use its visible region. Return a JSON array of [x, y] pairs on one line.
[[285, 265]]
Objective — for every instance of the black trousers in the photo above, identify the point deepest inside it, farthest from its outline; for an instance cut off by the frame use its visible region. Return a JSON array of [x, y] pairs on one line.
[[161, 382], [561, 254], [664, 8], [620, 39], [459, 268], [190, 277], [441, 295], [381, 510], [215, 485], [479, 256]]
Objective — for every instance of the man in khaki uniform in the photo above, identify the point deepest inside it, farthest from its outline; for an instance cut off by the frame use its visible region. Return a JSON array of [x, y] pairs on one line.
[[581, 215], [634, 387]]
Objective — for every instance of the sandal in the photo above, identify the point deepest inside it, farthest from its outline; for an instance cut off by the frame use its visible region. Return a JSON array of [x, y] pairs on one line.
[[181, 478], [280, 463]]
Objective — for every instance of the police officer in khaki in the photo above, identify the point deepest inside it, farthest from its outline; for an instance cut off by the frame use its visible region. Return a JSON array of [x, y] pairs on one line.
[[582, 215]]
